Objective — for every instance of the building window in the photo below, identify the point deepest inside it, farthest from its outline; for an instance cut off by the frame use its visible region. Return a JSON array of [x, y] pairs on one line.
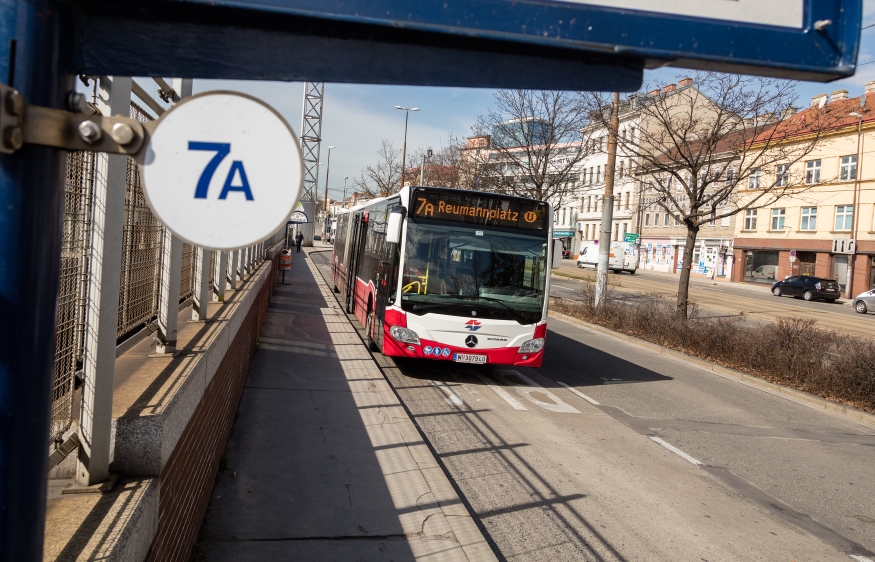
[[725, 220], [621, 168], [598, 174], [619, 200], [616, 231], [730, 175], [844, 217], [677, 222], [649, 187], [628, 195], [848, 168], [656, 219], [750, 219], [812, 171], [753, 181], [646, 220], [781, 175], [778, 219], [625, 229], [809, 218], [713, 221], [665, 220]]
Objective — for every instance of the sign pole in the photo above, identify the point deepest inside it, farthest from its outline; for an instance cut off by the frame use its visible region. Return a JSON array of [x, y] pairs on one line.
[[34, 60]]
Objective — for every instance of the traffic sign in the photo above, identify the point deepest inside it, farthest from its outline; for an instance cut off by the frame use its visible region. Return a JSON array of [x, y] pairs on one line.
[[793, 253], [222, 170], [299, 216], [630, 237]]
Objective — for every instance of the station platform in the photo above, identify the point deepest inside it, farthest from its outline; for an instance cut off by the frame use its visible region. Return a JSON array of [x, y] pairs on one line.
[[323, 462]]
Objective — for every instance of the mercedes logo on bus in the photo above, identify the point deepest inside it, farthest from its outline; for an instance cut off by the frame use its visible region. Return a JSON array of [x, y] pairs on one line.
[[471, 341]]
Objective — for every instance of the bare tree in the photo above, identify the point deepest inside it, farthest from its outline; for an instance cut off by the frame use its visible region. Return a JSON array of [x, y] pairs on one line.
[[385, 177], [535, 144], [442, 168], [714, 147]]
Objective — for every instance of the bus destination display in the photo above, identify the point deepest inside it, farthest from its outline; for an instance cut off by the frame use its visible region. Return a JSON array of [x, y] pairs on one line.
[[479, 209]]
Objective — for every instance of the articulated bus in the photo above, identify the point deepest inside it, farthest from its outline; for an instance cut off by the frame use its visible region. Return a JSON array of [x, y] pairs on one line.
[[448, 274]]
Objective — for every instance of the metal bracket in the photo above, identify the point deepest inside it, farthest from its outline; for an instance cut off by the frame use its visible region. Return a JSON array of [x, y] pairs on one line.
[[28, 124]]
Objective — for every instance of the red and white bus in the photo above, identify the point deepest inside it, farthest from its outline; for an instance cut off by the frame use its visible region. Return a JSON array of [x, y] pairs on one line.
[[448, 274]]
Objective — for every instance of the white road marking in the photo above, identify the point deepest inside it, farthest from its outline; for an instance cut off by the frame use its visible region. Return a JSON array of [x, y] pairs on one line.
[[452, 396], [860, 558], [558, 404], [501, 392], [579, 393], [675, 450]]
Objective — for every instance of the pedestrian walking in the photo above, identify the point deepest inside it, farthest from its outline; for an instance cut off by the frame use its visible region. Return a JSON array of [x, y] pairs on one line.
[[298, 239]]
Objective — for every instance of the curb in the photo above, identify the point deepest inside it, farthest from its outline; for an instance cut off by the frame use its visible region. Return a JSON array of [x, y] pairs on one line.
[[786, 392]]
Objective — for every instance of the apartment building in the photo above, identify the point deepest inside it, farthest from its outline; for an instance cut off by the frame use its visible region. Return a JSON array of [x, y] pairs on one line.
[[825, 224]]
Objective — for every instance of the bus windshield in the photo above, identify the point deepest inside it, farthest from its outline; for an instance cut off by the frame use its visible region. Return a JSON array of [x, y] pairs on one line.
[[457, 269]]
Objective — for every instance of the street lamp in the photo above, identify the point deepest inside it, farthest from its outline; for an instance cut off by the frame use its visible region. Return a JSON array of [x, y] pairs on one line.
[[344, 190], [406, 111], [327, 171]]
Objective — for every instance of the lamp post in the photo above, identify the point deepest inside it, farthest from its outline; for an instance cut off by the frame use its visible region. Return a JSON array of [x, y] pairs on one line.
[[849, 288], [406, 111], [327, 171], [344, 190]]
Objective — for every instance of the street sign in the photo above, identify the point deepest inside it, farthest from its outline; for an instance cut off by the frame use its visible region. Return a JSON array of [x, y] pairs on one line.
[[844, 246], [299, 216], [222, 170], [547, 44], [630, 237], [792, 259], [793, 253]]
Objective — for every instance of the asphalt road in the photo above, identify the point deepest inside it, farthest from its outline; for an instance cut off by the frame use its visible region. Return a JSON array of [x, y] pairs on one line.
[[751, 301], [611, 452]]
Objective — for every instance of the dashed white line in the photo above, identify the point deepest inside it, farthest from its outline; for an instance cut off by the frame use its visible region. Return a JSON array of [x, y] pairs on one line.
[[501, 392], [675, 450], [452, 396], [579, 393]]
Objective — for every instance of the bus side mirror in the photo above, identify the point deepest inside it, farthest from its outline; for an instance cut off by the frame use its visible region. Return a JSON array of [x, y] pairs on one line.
[[393, 227], [557, 254]]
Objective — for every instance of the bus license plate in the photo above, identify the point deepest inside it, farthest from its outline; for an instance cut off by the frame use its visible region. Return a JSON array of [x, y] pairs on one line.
[[469, 358]]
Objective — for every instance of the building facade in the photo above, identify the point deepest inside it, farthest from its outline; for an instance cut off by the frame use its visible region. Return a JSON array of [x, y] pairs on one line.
[[825, 225]]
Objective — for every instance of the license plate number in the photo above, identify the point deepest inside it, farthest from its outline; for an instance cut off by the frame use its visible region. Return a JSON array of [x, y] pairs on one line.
[[468, 358]]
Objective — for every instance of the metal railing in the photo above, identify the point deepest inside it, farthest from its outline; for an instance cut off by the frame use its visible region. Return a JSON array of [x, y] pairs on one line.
[[140, 275]]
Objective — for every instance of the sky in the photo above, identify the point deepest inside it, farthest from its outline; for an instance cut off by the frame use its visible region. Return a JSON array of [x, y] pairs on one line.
[[357, 117]]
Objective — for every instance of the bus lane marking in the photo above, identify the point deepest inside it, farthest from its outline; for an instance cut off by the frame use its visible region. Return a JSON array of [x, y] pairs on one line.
[[558, 405], [502, 393], [675, 450], [579, 393], [453, 397]]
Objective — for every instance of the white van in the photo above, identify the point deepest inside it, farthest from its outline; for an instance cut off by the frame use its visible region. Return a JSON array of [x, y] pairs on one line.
[[624, 257]]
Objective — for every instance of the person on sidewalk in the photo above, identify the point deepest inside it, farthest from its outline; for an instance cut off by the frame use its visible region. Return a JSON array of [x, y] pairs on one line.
[[298, 239]]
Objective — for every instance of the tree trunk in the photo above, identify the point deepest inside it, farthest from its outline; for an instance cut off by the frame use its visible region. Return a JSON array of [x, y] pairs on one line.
[[684, 283]]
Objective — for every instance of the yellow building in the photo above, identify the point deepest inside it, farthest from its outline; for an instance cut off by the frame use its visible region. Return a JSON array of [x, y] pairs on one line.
[[825, 223]]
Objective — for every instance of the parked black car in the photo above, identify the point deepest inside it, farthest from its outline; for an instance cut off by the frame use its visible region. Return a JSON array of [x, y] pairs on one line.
[[809, 288]]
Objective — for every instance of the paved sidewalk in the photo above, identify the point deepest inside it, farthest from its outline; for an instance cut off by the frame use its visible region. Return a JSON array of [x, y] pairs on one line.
[[323, 462]]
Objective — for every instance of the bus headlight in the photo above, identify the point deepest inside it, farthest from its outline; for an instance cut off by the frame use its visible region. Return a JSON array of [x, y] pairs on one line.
[[532, 346], [404, 335]]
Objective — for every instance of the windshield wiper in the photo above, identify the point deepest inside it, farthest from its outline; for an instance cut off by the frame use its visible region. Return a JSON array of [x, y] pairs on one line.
[[499, 301]]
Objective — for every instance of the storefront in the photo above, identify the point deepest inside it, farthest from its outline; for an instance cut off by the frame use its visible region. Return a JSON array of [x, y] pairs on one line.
[[567, 237], [760, 266], [657, 254]]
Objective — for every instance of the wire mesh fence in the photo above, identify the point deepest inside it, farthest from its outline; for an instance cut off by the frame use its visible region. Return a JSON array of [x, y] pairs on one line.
[[71, 294], [187, 277]]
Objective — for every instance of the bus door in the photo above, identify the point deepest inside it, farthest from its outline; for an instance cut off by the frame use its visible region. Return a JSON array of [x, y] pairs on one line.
[[358, 234], [387, 284]]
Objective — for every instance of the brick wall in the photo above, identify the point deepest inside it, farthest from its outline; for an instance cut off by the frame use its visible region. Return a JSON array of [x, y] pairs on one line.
[[188, 477]]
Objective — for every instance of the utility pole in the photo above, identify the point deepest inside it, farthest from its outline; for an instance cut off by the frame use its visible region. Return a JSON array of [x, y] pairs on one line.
[[608, 206], [849, 283], [325, 208]]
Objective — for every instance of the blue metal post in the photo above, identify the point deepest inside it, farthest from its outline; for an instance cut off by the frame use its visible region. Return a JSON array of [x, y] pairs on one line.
[[33, 51]]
